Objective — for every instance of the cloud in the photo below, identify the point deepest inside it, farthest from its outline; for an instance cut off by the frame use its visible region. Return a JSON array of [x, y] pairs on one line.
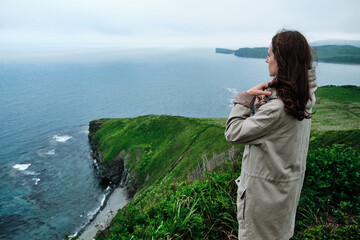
[[172, 23]]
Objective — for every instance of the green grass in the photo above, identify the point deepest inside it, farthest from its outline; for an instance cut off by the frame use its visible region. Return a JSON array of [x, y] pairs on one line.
[[338, 53], [340, 94], [329, 206], [159, 147], [204, 209], [338, 108], [186, 172], [348, 138]]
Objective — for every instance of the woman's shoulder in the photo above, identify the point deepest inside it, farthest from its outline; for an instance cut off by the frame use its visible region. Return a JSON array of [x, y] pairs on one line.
[[274, 107], [275, 104], [274, 111], [272, 101]]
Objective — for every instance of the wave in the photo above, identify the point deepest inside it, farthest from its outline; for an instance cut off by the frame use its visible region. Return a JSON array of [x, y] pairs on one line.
[[36, 180], [61, 138], [31, 173], [22, 167], [103, 200], [232, 90], [85, 131], [92, 214], [231, 102], [51, 152], [73, 235]]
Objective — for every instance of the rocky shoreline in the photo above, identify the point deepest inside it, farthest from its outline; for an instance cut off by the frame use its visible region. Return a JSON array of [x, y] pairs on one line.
[[110, 174], [113, 176], [115, 200]]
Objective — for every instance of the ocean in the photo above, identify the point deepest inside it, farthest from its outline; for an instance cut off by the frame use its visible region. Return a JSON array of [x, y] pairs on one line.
[[48, 185]]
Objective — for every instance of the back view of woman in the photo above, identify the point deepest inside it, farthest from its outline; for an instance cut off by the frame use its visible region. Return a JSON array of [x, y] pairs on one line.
[[276, 138]]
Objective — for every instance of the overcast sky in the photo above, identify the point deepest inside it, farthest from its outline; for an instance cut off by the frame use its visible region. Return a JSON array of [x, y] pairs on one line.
[[172, 23]]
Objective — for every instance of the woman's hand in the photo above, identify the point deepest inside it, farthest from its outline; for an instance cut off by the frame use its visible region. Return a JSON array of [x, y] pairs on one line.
[[259, 90]]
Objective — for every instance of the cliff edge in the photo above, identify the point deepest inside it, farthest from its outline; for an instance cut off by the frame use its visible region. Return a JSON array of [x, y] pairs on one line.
[[139, 152]]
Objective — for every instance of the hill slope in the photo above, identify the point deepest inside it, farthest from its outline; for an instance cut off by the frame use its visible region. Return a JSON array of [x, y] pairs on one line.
[[159, 147], [184, 172]]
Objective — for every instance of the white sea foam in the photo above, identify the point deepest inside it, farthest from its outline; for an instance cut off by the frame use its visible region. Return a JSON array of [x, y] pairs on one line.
[[103, 200], [73, 235], [22, 167], [231, 102], [116, 201], [61, 138], [36, 180], [92, 213], [96, 164], [51, 152], [232, 90], [31, 173]]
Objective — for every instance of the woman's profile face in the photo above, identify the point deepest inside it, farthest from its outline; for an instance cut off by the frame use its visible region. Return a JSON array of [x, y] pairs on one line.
[[273, 67]]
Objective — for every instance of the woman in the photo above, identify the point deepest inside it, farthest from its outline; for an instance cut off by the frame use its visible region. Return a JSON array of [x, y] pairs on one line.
[[276, 138]]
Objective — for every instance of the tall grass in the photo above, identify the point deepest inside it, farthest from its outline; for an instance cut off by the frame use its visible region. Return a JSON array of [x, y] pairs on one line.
[[206, 209], [202, 210]]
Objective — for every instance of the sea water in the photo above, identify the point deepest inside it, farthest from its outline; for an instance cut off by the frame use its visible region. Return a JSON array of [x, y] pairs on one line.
[[48, 185]]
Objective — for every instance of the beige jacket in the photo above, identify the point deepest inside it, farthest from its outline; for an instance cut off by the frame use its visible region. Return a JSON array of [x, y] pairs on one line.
[[273, 165]]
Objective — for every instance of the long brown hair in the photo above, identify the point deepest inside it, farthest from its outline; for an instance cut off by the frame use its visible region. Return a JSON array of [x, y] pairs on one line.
[[293, 55]]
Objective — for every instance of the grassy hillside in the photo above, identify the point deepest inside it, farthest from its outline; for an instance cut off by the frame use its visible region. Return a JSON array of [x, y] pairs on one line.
[[339, 108], [185, 171], [166, 148], [338, 54]]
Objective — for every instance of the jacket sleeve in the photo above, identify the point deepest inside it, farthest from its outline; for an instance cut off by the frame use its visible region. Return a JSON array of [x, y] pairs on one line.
[[243, 129]]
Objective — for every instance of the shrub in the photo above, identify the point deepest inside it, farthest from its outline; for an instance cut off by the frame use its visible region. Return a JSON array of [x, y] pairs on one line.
[[329, 206], [332, 178], [205, 209]]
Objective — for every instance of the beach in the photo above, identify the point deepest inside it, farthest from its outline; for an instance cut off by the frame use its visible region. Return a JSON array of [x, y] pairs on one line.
[[116, 201]]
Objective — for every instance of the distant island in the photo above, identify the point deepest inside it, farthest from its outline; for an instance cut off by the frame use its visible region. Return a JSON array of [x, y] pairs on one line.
[[327, 53]]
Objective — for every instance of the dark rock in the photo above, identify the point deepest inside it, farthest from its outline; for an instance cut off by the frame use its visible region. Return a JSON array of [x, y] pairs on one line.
[[109, 173], [93, 127]]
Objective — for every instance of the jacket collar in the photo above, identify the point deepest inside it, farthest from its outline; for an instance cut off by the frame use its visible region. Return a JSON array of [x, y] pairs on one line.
[[273, 94]]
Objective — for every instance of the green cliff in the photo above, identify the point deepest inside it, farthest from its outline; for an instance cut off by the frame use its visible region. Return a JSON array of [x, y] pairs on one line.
[[181, 172], [157, 148], [260, 52], [224, 51], [327, 53]]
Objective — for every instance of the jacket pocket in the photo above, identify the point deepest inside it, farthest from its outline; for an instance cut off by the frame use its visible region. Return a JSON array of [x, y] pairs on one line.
[[240, 202]]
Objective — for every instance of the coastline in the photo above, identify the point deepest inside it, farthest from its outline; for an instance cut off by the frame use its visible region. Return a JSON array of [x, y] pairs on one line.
[[114, 200], [117, 199]]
